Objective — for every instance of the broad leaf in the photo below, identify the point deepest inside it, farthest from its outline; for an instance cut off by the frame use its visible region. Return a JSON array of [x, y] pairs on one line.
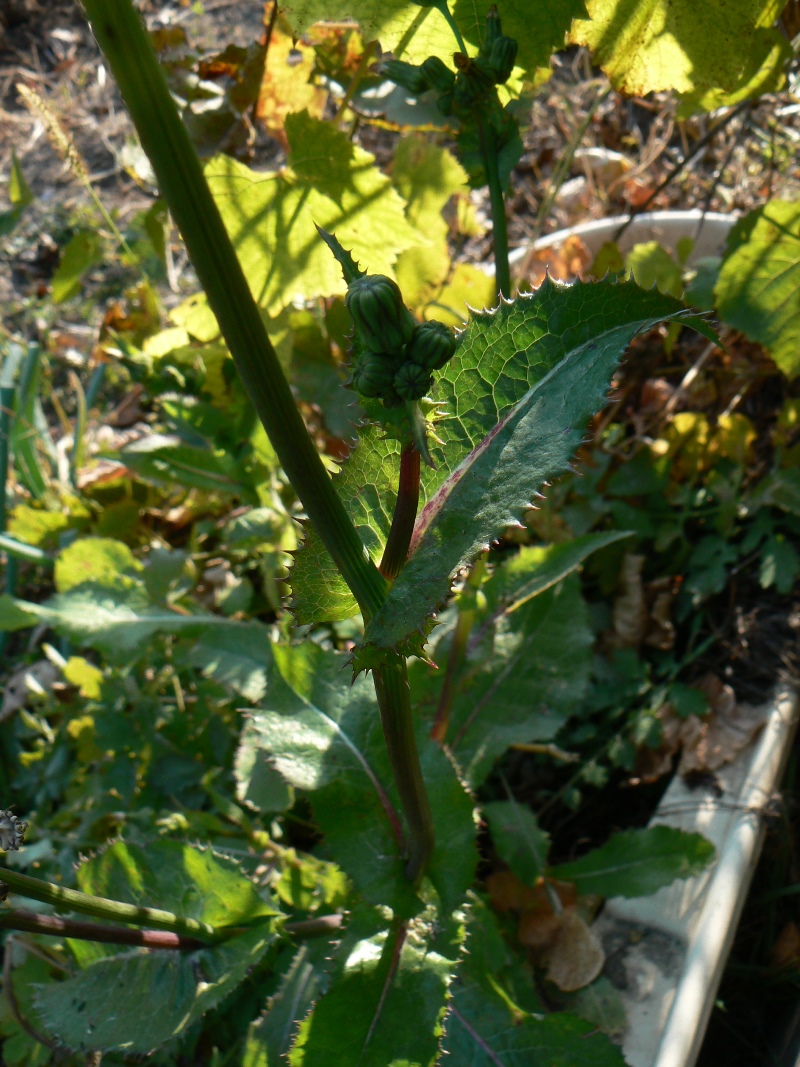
[[104, 1005], [136, 1001], [168, 460], [538, 567], [236, 656], [404, 28], [501, 356], [100, 560], [116, 622], [426, 176], [384, 1007], [323, 735], [519, 840], [758, 288], [649, 45], [331, 182], [636, 863], [194, 883], [533, 438], [525, 672]]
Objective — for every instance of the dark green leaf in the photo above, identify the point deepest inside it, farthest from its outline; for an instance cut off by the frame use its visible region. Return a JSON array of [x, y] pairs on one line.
[[518, 838], [636, 863], [570, 339]]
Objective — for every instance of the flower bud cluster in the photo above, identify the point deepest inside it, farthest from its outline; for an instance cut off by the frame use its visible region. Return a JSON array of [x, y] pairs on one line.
[[394, 357], [458, 92]]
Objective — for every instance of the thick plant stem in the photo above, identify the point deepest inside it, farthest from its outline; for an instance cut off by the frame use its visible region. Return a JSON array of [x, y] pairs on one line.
[[405, 515], [101, 908], [122, 37], [34, 923], [498, 205], [394, 702]]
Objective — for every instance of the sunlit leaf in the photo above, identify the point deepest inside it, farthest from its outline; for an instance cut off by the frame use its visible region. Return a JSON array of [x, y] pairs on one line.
[[331, 182], [649, 45], [84, 250], [758, 288]]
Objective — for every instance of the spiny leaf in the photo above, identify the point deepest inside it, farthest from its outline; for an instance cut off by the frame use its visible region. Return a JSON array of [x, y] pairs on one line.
[[271, 217], [137, 1001], [500, 357], [323, 735], [194, 883], [385, 1005], [269, 1038], [531, 443], [758, 288], [103, 1006], [636, 863]]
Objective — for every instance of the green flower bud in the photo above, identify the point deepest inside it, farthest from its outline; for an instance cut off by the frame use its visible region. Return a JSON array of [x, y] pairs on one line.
[[432, 344], [373, 375], [493, 29], [445, 103], [502, 58], [383, 322], [437, 75], [412, 381], [406, 75]]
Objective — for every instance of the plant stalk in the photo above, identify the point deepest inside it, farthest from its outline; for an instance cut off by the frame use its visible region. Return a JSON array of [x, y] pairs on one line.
[[34, 923], [467, 613], [405, 515], [394, 702], [102, 908], [122, 37], [498, 206]]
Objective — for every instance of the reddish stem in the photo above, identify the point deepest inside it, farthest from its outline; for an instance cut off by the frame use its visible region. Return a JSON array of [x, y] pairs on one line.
[[405, 515], [34, 923]]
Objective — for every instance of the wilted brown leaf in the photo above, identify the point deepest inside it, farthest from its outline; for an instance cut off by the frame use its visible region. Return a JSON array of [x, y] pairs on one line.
[[727, 729], [563, 262], [576, 957], [629, 612]]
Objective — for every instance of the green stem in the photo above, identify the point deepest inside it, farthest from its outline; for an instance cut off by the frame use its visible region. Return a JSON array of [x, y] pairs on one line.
[[444, 7], [405, 515], [19, 550], [394, 702], [101, 908], [53, 925], [467, 613], [498, 206], [122, 37]]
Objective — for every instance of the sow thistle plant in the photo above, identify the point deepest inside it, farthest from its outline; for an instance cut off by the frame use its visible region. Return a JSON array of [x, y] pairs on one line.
[[419, 968]]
